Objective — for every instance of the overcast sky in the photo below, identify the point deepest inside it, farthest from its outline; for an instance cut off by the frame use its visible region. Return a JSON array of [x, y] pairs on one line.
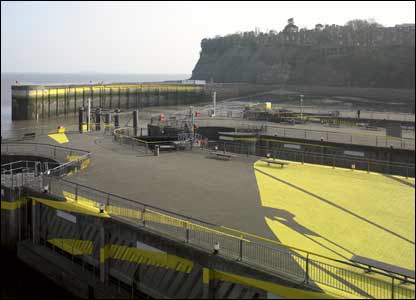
[[154, 37]]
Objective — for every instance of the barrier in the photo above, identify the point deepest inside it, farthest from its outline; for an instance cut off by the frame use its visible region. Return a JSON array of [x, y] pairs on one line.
[[282, 260]]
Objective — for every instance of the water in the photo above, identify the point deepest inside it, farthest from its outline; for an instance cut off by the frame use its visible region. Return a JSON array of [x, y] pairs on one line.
[[8, 79]]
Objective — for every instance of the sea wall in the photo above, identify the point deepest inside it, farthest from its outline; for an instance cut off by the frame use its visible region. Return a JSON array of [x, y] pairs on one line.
[[31, 102]]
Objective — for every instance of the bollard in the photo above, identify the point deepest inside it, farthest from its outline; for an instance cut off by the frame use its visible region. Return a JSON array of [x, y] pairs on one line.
[[107, 122], [98, 119], [156, 150], [135, 121], [117, 118], [80, 119]]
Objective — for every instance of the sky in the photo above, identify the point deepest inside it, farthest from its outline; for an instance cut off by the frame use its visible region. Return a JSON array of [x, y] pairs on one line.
[[154, 37]]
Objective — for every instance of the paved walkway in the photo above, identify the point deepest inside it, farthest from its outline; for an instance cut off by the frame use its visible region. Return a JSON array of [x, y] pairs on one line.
[[189, 183]]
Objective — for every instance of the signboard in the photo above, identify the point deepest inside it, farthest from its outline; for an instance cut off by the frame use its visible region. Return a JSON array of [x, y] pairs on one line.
[[354, 153], [140, 245], [292, 146], [226, 138], [66, 216]]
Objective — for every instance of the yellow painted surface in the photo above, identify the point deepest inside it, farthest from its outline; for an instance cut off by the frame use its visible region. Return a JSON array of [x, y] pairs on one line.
[[277, 289], [6, 205], [97, 88], [61, 138], [140, 256], [74, 247], [207, 275], [339, 212], [72, 206], [61, 130]]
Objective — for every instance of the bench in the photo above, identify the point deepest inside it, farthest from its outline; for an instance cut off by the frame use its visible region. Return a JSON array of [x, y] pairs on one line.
[[276, 162], [221, 155], [167, 147], [371, 263], [31, 135]]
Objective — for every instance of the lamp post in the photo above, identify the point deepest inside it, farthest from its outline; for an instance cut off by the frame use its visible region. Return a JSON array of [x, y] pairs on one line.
[[301, 106]]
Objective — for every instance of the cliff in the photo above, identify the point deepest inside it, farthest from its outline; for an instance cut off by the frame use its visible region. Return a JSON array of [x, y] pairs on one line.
[[367, 56]]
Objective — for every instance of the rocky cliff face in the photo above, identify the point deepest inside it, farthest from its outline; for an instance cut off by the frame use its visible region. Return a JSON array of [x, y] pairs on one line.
[[322, 60]]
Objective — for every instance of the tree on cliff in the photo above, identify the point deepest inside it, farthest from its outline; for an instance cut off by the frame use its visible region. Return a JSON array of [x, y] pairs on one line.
[[361, 53], [363, 25]]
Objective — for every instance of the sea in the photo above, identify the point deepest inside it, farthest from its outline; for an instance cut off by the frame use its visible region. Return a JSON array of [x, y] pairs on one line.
[[18, 279]]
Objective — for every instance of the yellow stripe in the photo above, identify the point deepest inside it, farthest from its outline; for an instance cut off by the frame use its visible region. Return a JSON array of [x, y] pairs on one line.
[[61, 138], [74, 247], [279, 290], [207, 275], [73, 207], [6, 205], [150, 216], [147, 257]]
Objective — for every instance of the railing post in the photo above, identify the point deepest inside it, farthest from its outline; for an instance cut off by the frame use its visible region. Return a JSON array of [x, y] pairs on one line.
[[76, 192], [392, 288], [144, 216], [241, 248], [307, 269], [187, 231]]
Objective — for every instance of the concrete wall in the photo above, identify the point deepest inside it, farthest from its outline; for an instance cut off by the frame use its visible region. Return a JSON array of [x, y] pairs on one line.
[[30, 102], [189, 272], [15, 217]]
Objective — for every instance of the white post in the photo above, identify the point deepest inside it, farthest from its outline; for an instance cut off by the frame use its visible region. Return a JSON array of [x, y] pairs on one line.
[[301, 107], [89, 114], [214, 102]]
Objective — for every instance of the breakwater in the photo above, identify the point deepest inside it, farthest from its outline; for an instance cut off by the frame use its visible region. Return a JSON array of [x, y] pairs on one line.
[[32, 102]]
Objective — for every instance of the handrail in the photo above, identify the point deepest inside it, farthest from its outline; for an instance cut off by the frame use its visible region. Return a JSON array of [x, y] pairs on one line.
[[48, 145], [140, 203], [220, 230], [116, 132], [347, 262]]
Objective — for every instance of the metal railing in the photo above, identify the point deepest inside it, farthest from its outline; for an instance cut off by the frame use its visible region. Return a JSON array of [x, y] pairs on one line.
[[332, 160], [286, 261], [283, 260], [343, 138], [316, 135], [125, 136], [67, 160]]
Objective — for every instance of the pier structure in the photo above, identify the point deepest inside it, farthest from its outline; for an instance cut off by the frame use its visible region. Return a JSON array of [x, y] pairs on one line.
[[32, 102]]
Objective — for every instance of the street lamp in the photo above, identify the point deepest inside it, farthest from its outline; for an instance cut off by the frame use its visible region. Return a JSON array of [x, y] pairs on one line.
[[301, 106]]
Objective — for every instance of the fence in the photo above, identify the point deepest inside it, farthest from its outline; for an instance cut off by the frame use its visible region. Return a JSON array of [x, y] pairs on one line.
[[344, 138], [283, 260], [125, 136], [333, 160], [315, 135], [67, 160], [296, 264]]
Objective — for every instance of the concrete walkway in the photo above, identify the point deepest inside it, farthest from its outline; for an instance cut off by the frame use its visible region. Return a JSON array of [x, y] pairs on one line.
[[189, 183]]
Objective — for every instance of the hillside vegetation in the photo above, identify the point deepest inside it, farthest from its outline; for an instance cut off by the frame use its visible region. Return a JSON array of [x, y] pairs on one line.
[[359, 54]]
